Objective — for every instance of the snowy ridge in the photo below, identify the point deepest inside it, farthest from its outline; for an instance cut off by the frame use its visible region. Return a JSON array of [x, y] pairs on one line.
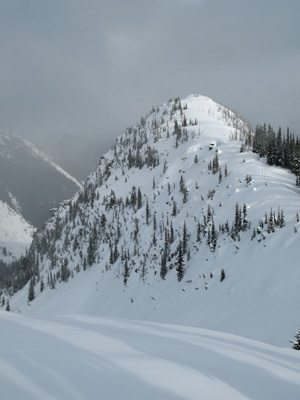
[[179, 177]]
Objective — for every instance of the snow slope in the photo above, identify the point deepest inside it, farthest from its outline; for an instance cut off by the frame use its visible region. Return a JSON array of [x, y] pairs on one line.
[[15, 234], [260, 295], [82, 357]]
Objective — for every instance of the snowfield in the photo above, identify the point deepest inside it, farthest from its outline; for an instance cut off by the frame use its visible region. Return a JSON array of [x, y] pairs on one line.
[[83, 357]]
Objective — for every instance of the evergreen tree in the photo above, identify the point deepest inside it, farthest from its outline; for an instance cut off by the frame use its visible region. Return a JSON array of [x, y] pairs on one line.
[[171, 233], [103, 221], [31, 294], [179, 262], [177, 133], [271, 223], [147, 212], [184, 238], [198, 232], [237, 225], [282, 222], [139, 199], [154, 230], [126, 272], [42, 285], [163, 266], [91, 250], [222, 276], [7, 305], [174, 209], [296, 343], [116, 252], [213, 236], [215, 165], [245, 220]]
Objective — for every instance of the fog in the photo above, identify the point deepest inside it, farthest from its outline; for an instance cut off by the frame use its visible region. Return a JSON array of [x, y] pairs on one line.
[[85, 70]]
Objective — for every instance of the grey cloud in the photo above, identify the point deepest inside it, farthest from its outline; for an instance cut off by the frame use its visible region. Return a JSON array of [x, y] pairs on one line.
[[95, 67]]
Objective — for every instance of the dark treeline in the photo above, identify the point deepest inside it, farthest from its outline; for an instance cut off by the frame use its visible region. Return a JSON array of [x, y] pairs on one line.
[[280, 150]]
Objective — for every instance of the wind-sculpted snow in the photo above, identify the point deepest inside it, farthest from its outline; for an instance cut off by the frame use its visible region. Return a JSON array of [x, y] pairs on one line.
[[80, 357]]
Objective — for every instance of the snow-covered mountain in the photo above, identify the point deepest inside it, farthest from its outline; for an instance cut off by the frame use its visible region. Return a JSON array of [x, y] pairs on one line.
[[180, 223], [30, 183], [15, 234]]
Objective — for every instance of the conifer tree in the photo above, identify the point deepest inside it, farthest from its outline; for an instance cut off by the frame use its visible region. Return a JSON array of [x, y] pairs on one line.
[[171, 233], [91, 250], [245, 220], [213, 236], [174, 209], [198, 232], [7, 305], [179, 262], [282, 222], [42, 285], [126, 272], [215, 165], [296, 343], [222, 277], [237, 225], [147, 212], [139, 199], [184, 238], [271, 225], [154, 230], [31, 294], [163, 266]]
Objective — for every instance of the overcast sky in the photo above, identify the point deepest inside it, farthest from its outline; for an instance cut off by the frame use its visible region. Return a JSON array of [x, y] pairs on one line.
[[97, 66]]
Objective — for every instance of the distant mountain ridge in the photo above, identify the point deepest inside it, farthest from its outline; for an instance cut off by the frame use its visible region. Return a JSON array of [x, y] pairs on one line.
[[30, 183], [181, 223], [15, 234]]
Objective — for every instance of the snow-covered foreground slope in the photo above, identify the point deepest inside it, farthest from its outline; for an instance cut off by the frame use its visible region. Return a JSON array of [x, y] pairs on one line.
[[81, 357], [15, 234]]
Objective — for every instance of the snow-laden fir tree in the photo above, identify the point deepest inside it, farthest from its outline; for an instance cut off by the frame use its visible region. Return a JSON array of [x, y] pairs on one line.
[[296, 343]]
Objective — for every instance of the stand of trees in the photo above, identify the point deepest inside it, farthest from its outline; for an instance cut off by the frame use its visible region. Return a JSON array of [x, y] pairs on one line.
[[280, 150]]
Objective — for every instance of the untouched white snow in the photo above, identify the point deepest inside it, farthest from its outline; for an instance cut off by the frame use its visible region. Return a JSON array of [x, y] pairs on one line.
[[81, 357], [15, 234]]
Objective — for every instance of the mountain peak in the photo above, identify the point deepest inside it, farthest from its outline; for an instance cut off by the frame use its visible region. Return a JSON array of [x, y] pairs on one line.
[[173, 226]]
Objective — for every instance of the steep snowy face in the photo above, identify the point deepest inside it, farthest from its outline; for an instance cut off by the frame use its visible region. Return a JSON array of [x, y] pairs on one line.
[[179, 223], [15, 234], [30, 183]]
